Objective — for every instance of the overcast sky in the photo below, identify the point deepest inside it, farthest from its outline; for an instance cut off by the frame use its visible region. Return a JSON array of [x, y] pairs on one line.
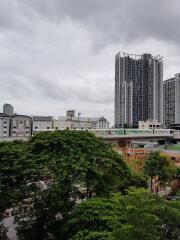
[[59, 54]]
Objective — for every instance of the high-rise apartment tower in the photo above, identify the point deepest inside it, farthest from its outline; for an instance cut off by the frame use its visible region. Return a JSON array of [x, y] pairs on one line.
[[8, 109], [138, 89], [171, 100]]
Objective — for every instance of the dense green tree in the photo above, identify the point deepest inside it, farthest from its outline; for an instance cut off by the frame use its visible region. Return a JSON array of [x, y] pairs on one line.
[[94, 217], [61, 183], [82, 158], [138, 180], [169, 214], [11, 172], [158, 167], [3, 232], [136, 215], [47, 176]]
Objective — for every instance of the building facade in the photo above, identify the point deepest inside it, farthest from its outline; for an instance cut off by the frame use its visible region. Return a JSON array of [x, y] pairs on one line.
[[138, 89], [77, 122], [8, 109], [21, 126], [70, 113], [149, 125], [41, 123], [171, 100], [4, 125]]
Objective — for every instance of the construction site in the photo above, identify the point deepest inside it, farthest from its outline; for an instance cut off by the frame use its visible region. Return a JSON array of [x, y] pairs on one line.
[[135, 157]]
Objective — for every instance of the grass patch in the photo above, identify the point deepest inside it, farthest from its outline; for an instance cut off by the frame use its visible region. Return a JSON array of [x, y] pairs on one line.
[[175, 147]]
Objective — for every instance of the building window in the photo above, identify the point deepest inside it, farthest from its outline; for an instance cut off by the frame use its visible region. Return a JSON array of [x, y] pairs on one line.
[[36, 127], [5, 132], [14, 131], [48, 127]]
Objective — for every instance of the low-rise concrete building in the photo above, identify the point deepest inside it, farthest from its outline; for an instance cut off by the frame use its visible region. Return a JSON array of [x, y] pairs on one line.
[[4, 125], [21, 126], [149, 125], [42, 123], [73, 122]]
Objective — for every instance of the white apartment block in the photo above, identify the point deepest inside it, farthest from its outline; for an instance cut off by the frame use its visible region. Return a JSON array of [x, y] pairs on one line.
[[4, 125], [80, 123], [42, 123], [21, 126]]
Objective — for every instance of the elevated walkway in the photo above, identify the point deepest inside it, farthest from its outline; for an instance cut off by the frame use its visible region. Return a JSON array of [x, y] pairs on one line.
[[133, 133]]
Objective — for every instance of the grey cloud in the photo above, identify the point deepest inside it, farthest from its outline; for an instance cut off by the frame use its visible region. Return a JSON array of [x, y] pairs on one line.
[[26, 87], [15, 17], [100, 94], [14, 86], [46, 50], [116, 20], [107, 21]]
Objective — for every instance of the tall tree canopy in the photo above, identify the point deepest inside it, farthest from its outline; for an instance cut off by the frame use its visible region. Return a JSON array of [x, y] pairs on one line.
[[158, 167], [47, 176], [135, 215], [74, 186]]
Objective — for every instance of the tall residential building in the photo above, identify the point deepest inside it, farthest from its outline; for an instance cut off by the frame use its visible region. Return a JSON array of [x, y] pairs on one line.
[[171, 100], [8, 109], [138, 89]]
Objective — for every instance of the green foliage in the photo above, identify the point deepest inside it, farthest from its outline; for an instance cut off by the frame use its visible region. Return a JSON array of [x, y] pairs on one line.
[[174, 147], [139, 220], [155, 164], [169, 214], [74, 166], [136, 215], [12, 172], [138, 180], [93, 217], [158, 165], [3, 232], [61, 183], [85, 235], [81, 158]]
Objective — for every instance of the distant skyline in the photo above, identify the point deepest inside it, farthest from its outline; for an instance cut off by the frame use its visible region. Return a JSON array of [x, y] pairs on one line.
[[57, 55]]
